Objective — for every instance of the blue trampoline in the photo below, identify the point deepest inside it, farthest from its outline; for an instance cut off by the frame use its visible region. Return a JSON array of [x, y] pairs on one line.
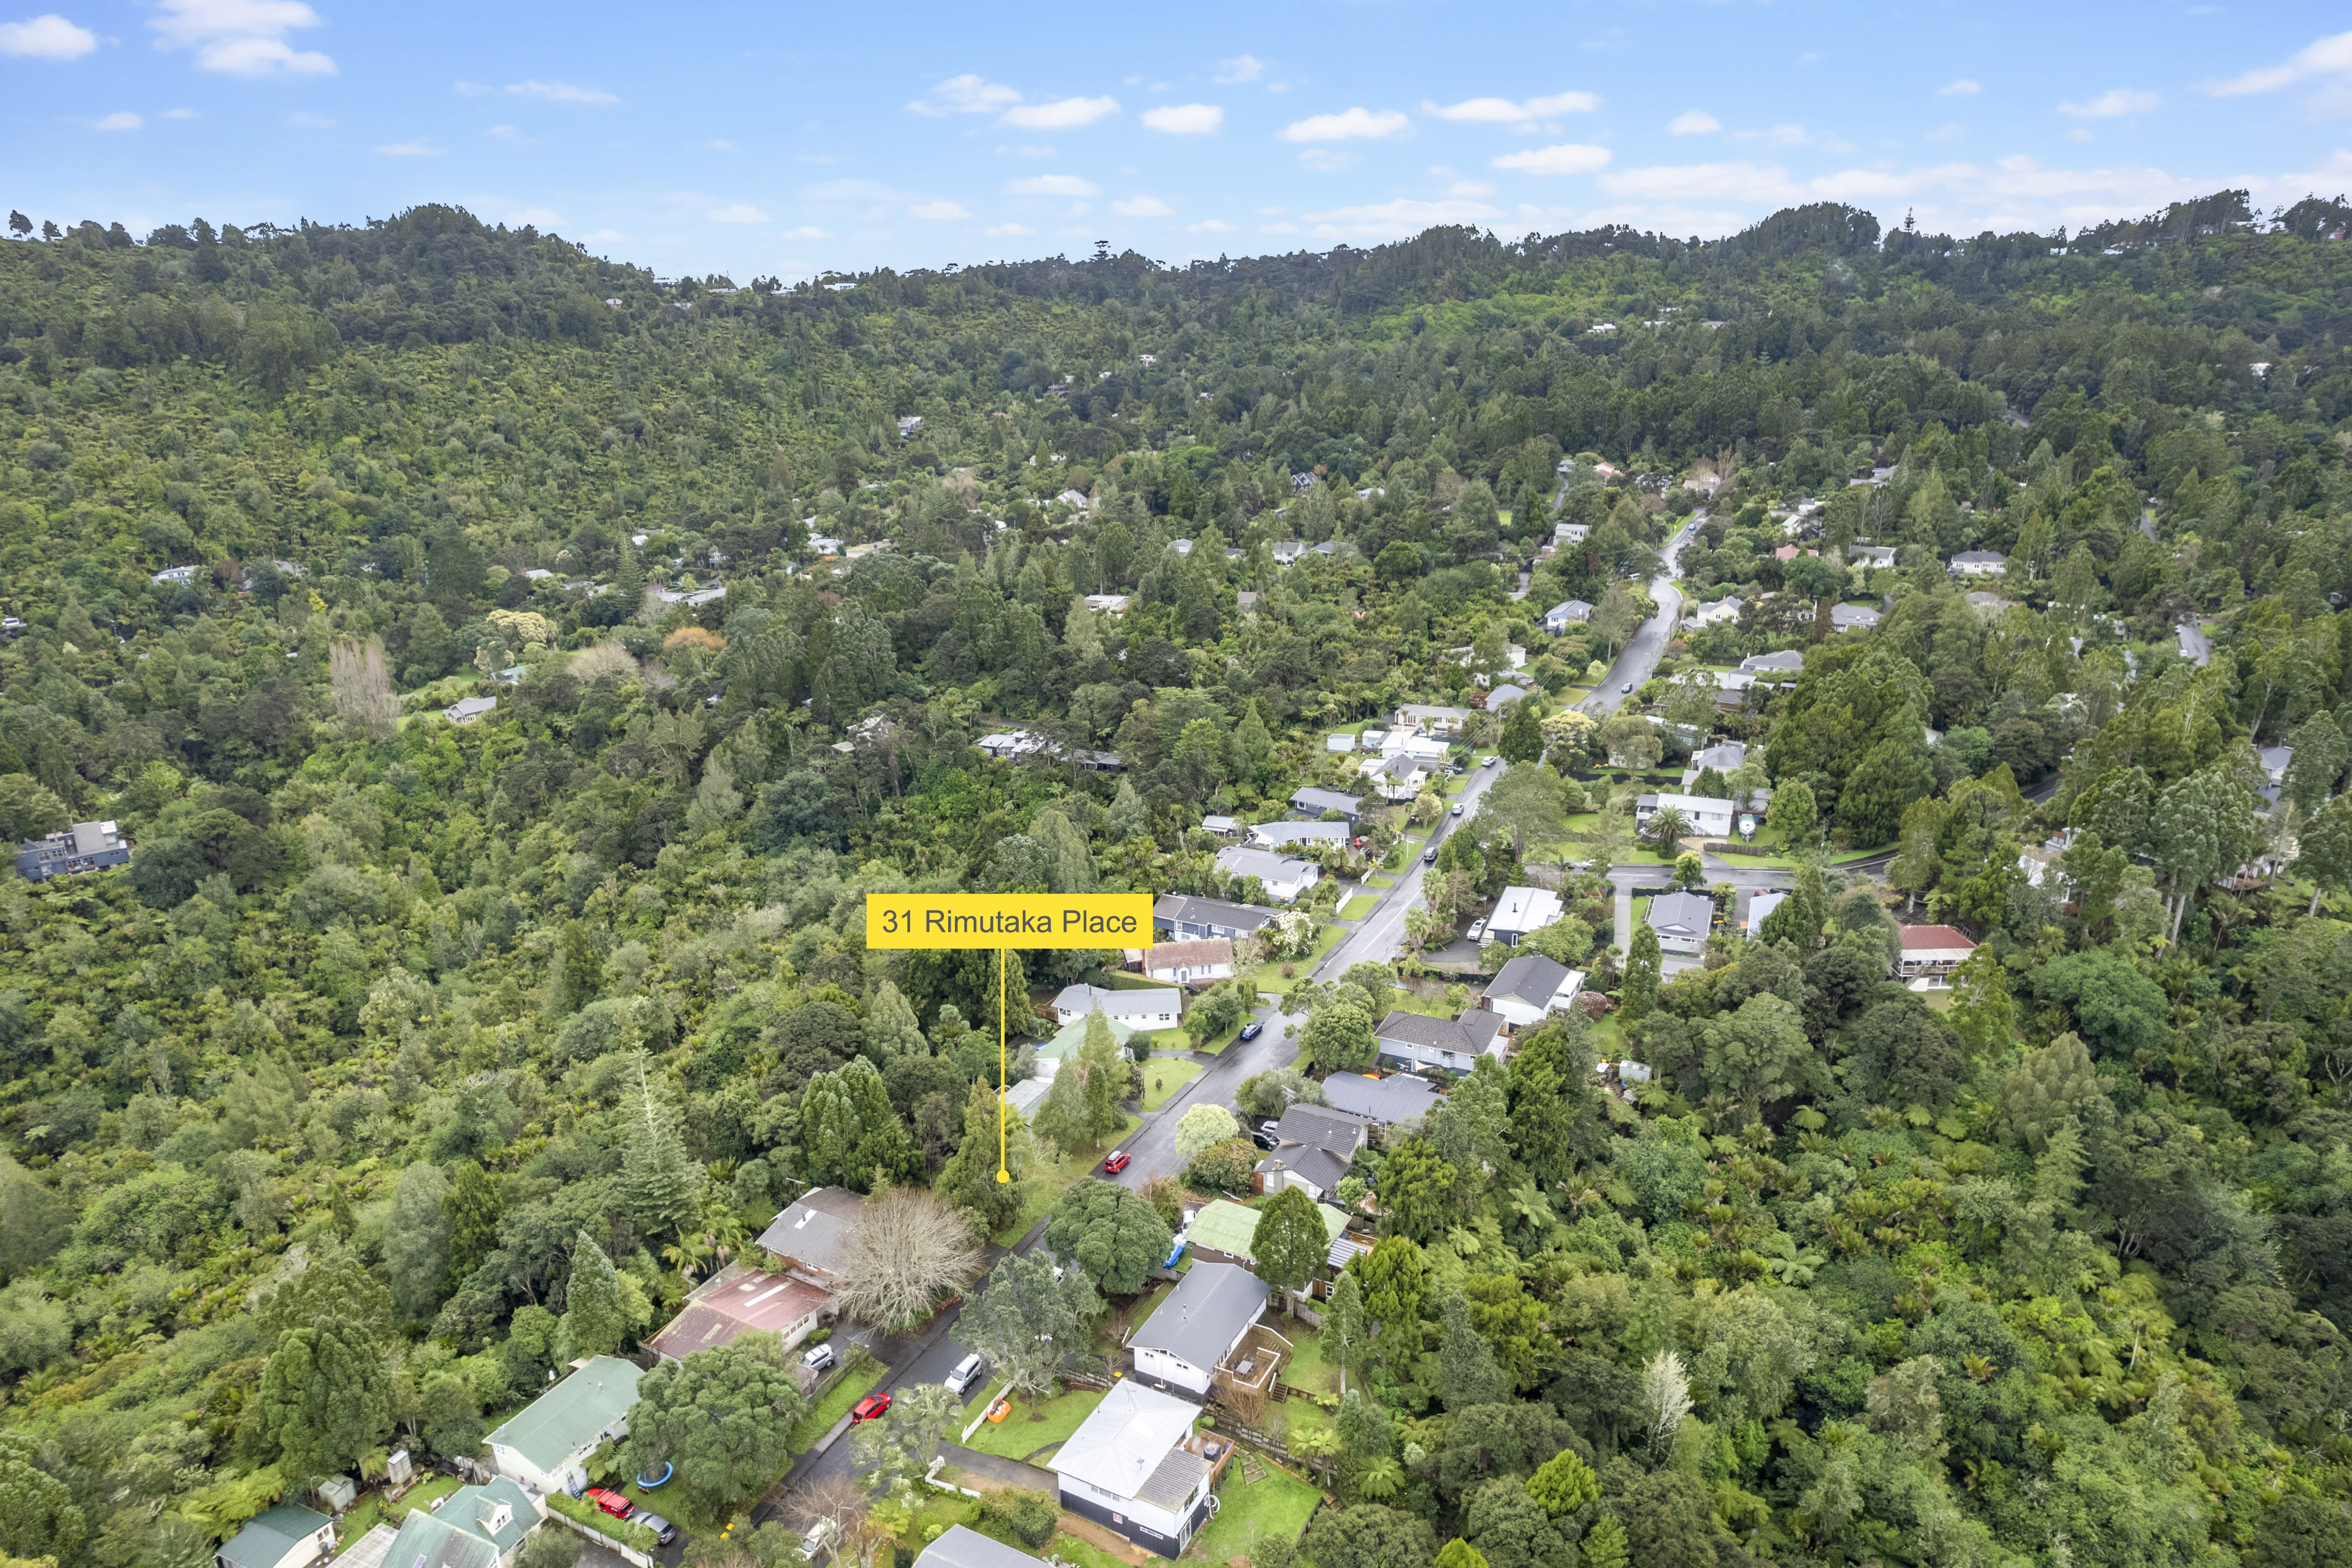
[[650, 1482]]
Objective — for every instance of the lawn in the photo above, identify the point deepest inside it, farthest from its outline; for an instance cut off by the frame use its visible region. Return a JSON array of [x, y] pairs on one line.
[[1029, 1428], [1166, 1076], [1048, 1179], [1278, 1506], [864, 1372], [1306, 1368], [1381, 879], [1609, 1036], [1360, 906], [371, 1510], [1076, 1552]]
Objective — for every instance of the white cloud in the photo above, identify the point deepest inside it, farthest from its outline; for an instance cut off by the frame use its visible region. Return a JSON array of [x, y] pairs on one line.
[[120, 120], [510, 135], [1693, 123], [242, 38], [1951, 133], [1349, 125], [1052, 185], [419, 149], [2112, 104], [966, 94], [1503, 111], [1469, 188], [563, 92], [941, 210], [1569, 158], [308, 122], [807, 231], [1007, 231], [603, 237], [737, 212], [1061, 114], [1794, 136], [517, 217], [1397, 218], [720, 145], [177, 114], [1966, 87], [1184, 119], [1210, 225], [1143, 206], [2330, 56], [1325, 161], [1240, 68], [45, 37]]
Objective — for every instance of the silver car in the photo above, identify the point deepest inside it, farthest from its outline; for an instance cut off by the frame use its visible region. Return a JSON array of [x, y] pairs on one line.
[[968, 1372]]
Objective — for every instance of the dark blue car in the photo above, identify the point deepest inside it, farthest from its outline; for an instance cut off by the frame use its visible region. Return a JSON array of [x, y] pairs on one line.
[[1252, 1030]]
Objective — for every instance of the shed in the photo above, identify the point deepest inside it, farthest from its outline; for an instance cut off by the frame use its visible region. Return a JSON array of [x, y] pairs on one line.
[[287, 1536]]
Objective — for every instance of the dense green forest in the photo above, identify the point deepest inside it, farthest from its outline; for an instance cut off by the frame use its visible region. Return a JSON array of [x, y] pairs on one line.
[[314, 1112]]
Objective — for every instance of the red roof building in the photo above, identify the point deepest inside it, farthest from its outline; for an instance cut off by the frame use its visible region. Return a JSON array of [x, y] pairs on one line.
[[738, 1298], [1931, 951]]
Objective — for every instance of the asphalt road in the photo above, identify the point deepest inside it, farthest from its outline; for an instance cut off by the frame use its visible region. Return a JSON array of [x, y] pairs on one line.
[[1640, 660]]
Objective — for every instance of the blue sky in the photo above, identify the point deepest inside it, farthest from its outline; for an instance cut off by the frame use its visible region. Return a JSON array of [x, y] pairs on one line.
[[791, 139]]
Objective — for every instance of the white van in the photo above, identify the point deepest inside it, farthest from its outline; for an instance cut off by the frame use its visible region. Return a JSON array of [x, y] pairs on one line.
[[967, 1374]]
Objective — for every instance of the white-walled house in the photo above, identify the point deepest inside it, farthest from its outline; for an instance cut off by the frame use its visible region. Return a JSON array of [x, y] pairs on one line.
[[1134, 1467], [287, 1536], [1142, 1011], [1283, 877], [545, 1445], [1411, 1042], [1707, 816], [1681, 920], [1531, 988], [1521, 911], [1197, 1325], [1190, 963]]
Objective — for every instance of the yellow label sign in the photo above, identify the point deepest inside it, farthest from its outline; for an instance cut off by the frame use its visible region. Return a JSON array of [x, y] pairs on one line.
[[1007, 919]]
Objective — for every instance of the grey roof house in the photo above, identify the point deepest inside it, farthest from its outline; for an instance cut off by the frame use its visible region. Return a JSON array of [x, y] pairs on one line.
[[1681, 920], [1187, 918], [1531, 988], [1314, 1146], [1134, 1466], [960, 1546], [1400, 1096], [1200, 1321], [1319, 801], [1411, 1041], [813, 1234], [84, 847]]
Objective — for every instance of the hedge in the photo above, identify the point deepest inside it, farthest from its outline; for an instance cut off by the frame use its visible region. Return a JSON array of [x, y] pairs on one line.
[[605, 1524]]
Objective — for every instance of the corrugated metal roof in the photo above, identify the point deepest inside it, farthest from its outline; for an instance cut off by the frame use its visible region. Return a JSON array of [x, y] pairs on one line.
[[572, 1415], [1121, 1443], [959, 1546], [1212, 1306]]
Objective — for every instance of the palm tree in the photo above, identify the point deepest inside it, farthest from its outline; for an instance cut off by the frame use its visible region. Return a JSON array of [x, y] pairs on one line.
[[1666, 826]]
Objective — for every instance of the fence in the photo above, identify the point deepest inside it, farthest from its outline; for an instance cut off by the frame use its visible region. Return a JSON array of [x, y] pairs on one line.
[[598, 1538]]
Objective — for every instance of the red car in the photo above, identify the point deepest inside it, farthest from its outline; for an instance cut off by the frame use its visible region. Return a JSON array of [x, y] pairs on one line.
[[867, 1408], [1117, 1162], [612, 1502]]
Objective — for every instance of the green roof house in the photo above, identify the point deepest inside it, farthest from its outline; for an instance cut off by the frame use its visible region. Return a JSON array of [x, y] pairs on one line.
[[288, 1536], [1224, 1230], [1066, 1040], [477, 1527], [546, 1446]]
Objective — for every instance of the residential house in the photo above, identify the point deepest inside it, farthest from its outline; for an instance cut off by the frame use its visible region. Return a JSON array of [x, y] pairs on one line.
[[1987, 604], [1724, 609], [738, 1298], [1288, 551], [1010, 745], [1141, 1010], [1220, 827], [1854, 617], [1224, 1231], [510, 676], [465, 709], [1067, 1041], [538, 574], [1314, 1146], [1342, 743], [1283, 877], [172, 576], [1978, 563], [1246, 599], [546, 1445], [1315, 802], [811, 1238], [1196, 1325], [84, 847], [908, 424], [1287, 834], [1760, 908], [1708, 817], [287, 1536], [1787, 663], [1414, 1041], [473, 1527], [1521, 911], [1502, 697], [1183, 917], [1566, 613], [823, 544], [1879, 555], [1724, 757], [1108, 603], [1397, 778], [1681, 920], [1431, 720], [1135, 1466], [1931, 953], [1570, 532], [1190, 962], [1073, 499], [1531, 988], [960, 1546], [1383, 1101]]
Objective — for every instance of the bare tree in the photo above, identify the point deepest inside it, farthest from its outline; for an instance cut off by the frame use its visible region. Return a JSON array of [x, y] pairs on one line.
[[362, 687], [836, 1505], [911, 1247]]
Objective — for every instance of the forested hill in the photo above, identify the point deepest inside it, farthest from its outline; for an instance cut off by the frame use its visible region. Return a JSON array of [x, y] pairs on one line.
[[421, 1047]]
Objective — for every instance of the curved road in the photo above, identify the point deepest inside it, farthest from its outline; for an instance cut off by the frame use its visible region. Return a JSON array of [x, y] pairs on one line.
[[1640, 660]]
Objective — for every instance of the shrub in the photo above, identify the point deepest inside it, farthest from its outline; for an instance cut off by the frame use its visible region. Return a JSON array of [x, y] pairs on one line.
[[605, 1524], [1030, 1516]]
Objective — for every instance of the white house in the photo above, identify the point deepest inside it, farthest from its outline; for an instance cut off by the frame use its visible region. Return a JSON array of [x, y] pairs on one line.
[[1283, 877], [1681, 920], [1854, 617], [1570, 532], [1190, 963], [1521, 911], [1566, 613], [1287, 834], [171, 576], [1722, 610], [1761, 907], [465, 709], [1135, 1468], [1108, 603], [1878, 555], [1531, 988], [546, 1445], [1724, 757], [1344, 741], [960, 1546], [1709, 817], [1978, 563], [1411, 1042], [1431, 719], [1931, 953], [1397, 778], [287, 1536], [1138, 1009], [1197, 1326]]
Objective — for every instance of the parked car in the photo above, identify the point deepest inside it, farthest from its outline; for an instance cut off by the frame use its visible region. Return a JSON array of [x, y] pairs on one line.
[[1477, 930], [663, 1531], [869, 1407], [1265, 1135], [1457, 809], [818, 1541], [968, 1372], [1490, 761], [818, 1358], [1252, 1030], [1117, 1161], [611, 1502], [1429, 856]]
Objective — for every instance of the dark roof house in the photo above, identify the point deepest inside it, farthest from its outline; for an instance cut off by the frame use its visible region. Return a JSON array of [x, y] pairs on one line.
[[1400, 1096]]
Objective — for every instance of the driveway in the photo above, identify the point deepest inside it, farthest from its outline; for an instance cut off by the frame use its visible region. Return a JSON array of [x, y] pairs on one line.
[[1640, 660]]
